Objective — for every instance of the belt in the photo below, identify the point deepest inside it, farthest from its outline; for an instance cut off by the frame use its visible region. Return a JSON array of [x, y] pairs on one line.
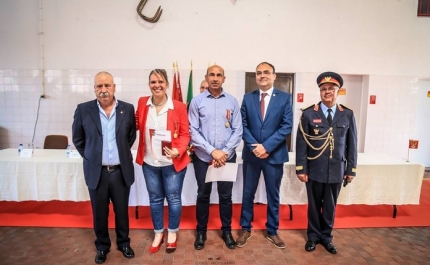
[[111, 168]]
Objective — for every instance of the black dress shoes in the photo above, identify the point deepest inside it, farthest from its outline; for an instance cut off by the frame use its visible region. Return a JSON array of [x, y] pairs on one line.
[[330, 247], [101, 256], [127, 252], [310, 246], [200, 241], [228, 240]]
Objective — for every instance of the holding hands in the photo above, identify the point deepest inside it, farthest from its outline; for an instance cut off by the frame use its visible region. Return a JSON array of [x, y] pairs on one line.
[[220, 158], [259, 151], [171, 153]]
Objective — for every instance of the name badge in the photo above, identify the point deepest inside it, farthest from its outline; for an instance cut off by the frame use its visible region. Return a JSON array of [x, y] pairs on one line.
[[317, 120]]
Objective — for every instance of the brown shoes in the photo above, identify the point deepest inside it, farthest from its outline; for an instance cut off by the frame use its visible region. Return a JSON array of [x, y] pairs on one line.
[[245, 235], [243, 238], [276, 240]]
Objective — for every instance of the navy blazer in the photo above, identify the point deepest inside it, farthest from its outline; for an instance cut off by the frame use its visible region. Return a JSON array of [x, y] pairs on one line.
[[344, 160], [272, 132], [88, 139]]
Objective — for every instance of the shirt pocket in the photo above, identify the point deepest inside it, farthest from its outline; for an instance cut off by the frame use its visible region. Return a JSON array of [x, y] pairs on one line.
[[317, 128], [342, 128]]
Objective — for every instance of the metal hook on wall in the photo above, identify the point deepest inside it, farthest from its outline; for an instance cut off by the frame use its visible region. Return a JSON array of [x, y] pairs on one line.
[[153, 19]]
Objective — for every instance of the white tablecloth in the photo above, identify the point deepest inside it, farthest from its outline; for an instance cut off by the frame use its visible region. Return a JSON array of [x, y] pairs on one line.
[[50, 175]]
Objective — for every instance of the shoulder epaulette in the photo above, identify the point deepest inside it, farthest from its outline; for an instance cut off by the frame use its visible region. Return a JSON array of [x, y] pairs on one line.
[[341, 105], [311, 106]]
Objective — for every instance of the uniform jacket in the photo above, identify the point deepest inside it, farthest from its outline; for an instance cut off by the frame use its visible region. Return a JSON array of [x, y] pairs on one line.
[[88, 140], [344, 156], [272, 132], [177, 121]]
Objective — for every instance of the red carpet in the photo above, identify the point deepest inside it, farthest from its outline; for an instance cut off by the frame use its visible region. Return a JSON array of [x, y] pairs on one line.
[[78, 214]]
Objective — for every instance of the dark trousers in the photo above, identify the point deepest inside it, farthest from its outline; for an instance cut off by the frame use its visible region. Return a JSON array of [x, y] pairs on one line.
[[110, 188], [322, 200], [272, 178], [203, 197]]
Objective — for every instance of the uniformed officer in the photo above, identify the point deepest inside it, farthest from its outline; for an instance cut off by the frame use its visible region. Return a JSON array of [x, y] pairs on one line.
[[326, 155]]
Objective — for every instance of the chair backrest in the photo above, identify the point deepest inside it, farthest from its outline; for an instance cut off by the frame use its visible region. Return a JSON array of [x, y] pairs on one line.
[[56, 142]]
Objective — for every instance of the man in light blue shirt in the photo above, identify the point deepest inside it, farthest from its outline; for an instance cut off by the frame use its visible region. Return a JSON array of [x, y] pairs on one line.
[[103, 132], [216, 131]]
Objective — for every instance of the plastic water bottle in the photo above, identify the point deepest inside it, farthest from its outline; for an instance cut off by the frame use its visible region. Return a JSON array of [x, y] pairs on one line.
[[68, 151], [20, 147]]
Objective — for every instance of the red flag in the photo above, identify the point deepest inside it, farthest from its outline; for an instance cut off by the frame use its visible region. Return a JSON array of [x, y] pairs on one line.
[[413, 144], [177, 91], [174, 86]]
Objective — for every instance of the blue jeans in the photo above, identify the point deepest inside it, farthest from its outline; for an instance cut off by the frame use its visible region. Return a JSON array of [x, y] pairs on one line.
[[164, 182]]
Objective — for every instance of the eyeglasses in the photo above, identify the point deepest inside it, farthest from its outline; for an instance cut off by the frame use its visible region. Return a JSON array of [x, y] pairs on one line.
[[329, 89], [265, 72]]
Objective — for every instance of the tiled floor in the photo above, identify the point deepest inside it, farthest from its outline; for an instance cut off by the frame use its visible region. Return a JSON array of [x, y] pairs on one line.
[[25, 245], [46, 246]]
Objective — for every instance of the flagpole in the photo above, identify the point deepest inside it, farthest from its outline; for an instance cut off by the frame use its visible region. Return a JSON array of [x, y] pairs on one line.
[[177, 71], [408, 154]]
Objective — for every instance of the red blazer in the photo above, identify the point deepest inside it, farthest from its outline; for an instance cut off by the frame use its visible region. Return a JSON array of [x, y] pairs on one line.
[[177, 121]]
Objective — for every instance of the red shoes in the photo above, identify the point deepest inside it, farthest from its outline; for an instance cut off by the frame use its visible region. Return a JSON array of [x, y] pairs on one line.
[[171, 247], [152, 249]]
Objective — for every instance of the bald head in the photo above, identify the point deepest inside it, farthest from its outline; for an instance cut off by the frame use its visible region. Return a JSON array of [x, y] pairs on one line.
[[215, 67], [103, 73], [203, 86], [215, 78]]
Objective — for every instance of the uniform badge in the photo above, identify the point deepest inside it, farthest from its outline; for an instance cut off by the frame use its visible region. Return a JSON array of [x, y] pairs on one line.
[[316, 131], [317, 120]]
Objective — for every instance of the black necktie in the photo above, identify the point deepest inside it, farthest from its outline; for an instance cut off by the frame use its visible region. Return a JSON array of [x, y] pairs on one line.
[[329, 117]]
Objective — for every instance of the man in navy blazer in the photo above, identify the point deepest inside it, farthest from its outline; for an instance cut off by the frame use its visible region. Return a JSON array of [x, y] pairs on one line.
[[326, 156], [267, 119], [103, 132]]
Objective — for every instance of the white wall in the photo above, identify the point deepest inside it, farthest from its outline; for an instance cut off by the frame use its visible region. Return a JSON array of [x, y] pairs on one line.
[[422, 125], [355, 37], [390, 122], [382, 42]]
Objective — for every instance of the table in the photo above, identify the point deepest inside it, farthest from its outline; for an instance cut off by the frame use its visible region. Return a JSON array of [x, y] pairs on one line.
[[50, 175]]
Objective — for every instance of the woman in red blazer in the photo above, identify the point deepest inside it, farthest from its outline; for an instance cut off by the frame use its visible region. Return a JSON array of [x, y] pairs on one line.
[[164, 166]]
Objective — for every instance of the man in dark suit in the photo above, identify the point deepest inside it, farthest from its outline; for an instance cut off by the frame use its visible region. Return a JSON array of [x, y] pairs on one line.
[[103, 132], [326, 155], [267, 119]]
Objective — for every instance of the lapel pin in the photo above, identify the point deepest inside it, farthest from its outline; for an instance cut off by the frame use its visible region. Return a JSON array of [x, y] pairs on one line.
[[122, 112]]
